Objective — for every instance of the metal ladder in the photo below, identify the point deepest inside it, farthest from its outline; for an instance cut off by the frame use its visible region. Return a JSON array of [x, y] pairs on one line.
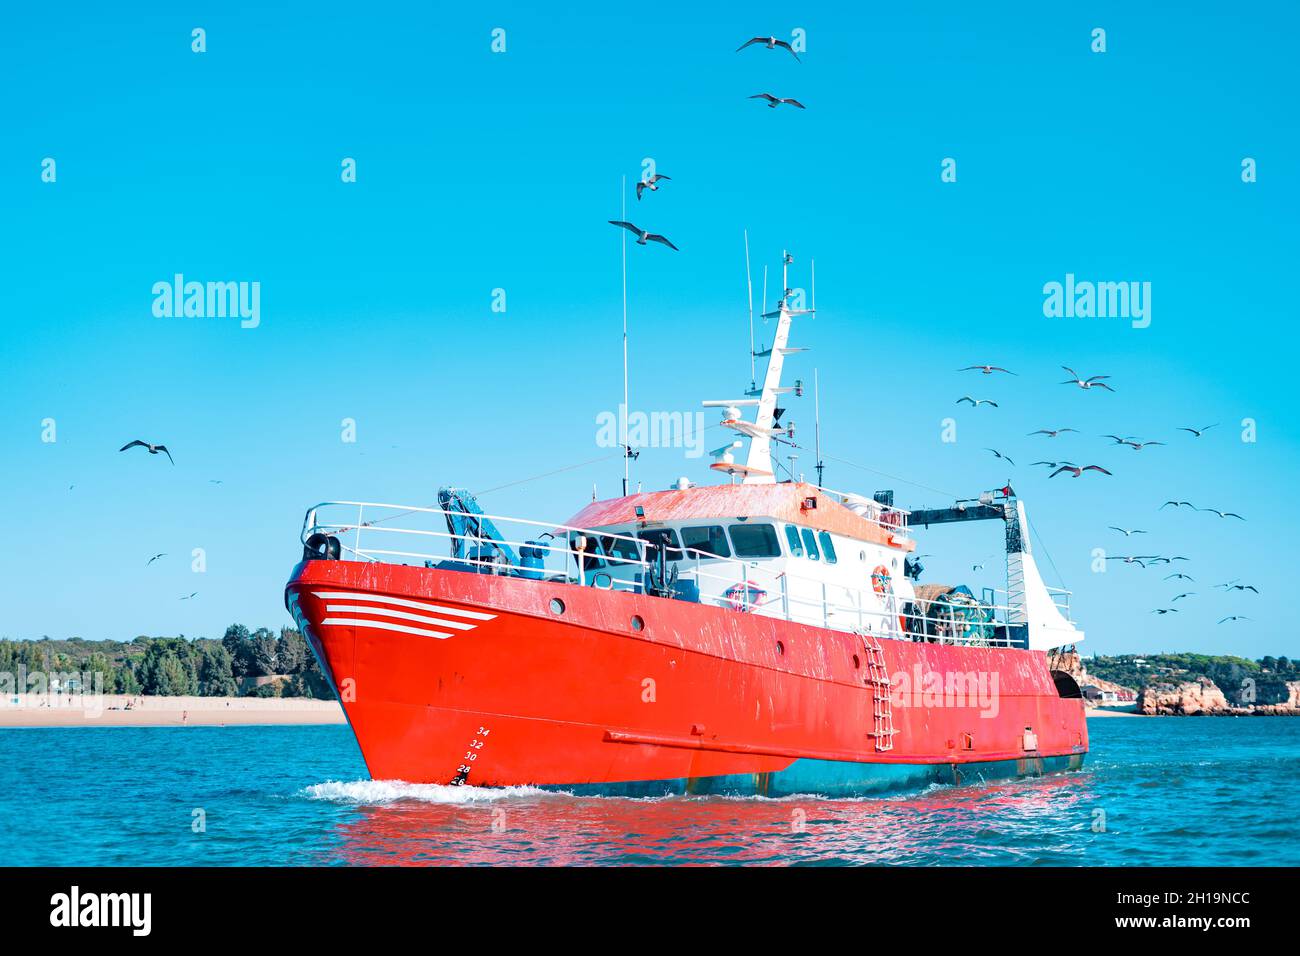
[[882, 707]]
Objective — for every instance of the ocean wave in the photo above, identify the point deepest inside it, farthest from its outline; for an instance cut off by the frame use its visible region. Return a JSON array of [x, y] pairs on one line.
[[380, 792]]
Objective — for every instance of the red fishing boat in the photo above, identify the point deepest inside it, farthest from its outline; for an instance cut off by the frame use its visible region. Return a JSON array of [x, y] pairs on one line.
[[756, 636]]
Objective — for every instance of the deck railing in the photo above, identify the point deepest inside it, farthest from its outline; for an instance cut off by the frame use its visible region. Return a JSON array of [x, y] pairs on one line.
[[603, 559], [888, 517]]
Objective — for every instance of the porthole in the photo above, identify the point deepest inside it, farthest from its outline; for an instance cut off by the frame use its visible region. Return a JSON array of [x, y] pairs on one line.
[[638, 624], [780, 648], [557, 606]]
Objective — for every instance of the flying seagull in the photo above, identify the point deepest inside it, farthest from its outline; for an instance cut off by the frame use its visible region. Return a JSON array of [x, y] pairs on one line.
[[1002, 456], [1077, 470], [190, 595], [1180, 596], [1160, 560], [1052, 464], [1052, 433], [1131, 442], [1165, 610], [1238, 587], [1178, 575], [155, 558], [775, 101], [976, 402], [1125, 532], [1138, 559], [1196, 431], [771, 43], [1086, 383], [1223, 514], [1235, 617], [986, 369], [153, 449], [650, 184], [1178, 504], [642, 235]]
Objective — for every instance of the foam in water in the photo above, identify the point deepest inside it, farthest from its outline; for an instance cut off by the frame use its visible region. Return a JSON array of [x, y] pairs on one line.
[[378, 792]]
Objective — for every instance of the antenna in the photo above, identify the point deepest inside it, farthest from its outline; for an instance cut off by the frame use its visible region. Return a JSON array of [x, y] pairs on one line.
[[627, 457], [749, 285], [812, 266], [817, 426], [764, 299]]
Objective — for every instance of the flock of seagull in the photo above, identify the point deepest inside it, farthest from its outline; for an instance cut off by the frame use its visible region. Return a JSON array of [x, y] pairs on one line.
[[1129, 441], [643, 236], [651, 183]]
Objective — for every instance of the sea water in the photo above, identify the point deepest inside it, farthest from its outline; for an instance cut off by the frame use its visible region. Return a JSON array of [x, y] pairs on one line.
[[1154, 791]]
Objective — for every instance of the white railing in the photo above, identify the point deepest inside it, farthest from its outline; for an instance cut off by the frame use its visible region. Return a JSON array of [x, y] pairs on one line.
[[610, 561], [1060, 597], [891, 519]]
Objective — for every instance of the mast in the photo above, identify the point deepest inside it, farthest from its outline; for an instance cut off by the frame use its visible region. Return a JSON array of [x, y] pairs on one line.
[[749, 286], [627, 452], [758, 467], [817, 419]]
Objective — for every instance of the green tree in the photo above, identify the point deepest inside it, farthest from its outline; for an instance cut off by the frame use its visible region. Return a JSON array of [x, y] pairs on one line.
[[237, 645], [98, 663], [167, 669], [263, 645], [291, 651], [215, 676], [125, 681]]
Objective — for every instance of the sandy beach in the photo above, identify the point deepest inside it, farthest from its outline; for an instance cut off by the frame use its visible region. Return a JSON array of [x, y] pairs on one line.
[[119, 710], [1107, 712]]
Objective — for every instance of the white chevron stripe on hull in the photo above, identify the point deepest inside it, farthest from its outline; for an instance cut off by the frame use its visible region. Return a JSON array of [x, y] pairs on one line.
[[403, 602], [400, 615], [385, 626]]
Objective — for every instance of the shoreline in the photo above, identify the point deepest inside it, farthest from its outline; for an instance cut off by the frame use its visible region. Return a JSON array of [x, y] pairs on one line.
[[122, 710], [1109, 712]]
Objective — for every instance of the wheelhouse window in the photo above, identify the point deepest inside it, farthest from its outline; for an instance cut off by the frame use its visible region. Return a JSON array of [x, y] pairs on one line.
[[621, 550], [665, 538], [810, 544], [590, 554], [710, 541], [754, 540], [828, 547], [792, 539]]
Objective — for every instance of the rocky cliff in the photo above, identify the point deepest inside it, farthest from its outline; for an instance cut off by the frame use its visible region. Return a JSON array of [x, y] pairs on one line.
[[1204, 697]]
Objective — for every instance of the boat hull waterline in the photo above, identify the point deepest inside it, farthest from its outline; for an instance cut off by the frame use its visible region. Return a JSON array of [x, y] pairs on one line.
[[485, 680]]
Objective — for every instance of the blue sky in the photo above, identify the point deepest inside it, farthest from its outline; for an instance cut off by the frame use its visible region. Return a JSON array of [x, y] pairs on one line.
[[479, 171]]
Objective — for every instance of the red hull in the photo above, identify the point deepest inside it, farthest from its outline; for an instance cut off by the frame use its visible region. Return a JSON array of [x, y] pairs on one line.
[[510, 692]]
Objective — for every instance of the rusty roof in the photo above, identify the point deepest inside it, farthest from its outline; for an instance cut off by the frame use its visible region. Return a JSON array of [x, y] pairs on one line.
[[782, 502]]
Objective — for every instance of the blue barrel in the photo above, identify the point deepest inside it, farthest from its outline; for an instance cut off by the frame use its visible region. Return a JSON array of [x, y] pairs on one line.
[[532, 560]]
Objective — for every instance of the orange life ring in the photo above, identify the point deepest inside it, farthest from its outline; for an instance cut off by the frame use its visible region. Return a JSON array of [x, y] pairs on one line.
[[744, 596], [880, 582], [884, 587]]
